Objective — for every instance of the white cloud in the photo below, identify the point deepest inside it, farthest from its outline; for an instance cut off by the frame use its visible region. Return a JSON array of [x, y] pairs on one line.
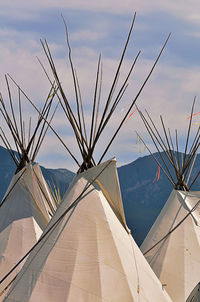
[[194, 18], [86, 35], [195, 34]]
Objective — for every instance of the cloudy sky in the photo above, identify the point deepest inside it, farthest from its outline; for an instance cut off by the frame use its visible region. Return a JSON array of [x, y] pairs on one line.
[[101, 27]]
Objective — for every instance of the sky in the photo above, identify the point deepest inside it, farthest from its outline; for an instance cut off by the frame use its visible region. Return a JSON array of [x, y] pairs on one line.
[[101, 27]]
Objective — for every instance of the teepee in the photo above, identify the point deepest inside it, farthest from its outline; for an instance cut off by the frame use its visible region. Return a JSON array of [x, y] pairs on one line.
[[172, 246], [27, 205], [87, 253]]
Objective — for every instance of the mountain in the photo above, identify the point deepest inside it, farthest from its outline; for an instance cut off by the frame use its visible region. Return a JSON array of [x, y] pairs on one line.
[[143, 199]]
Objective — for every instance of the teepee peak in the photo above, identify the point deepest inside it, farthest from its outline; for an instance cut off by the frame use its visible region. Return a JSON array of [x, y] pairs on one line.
[[87, 138], [26, 136], [176, 166]]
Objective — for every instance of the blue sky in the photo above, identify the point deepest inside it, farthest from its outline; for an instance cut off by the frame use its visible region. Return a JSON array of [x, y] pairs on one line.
[[103, 27]]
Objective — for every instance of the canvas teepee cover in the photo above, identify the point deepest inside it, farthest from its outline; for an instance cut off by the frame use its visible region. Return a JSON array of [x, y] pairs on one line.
[[89, 255], [176, 260], [172, 246], [23, 216], [27, 205]]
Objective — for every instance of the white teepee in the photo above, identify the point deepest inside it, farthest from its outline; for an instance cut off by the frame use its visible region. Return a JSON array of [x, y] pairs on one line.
[[172, 246], [27, 205], [86, 252], [23, 217], [176, 259]]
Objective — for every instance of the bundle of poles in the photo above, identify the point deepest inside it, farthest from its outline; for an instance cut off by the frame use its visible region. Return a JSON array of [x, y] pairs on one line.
[[169, 151], [27, 139], [87, 140]]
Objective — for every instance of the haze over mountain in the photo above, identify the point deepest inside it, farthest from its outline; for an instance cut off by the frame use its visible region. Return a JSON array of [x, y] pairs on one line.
[[143, 199]]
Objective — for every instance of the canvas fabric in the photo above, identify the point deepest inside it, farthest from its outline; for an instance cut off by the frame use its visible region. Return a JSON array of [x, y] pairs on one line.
[[176, 260], [23, 217], [89, 256]]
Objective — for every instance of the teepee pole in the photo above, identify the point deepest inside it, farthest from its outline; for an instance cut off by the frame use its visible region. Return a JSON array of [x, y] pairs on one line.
[[82, 111], [174, 153], [191, 168], [29, 130], [20, 113], [135, 99], [94, 102], [177, 150], [116, 76], [73, 75], [11, 106], [188, 133]]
